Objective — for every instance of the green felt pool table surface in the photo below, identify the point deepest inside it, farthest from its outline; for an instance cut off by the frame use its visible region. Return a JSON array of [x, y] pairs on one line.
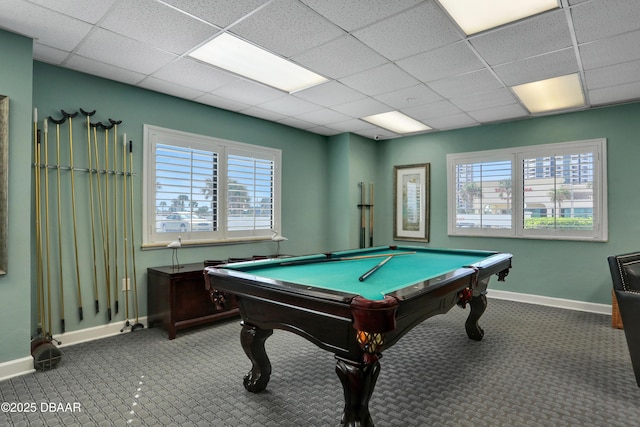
[[408, 266]]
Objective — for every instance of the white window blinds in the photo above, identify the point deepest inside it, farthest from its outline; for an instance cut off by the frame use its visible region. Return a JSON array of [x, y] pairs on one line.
[[206, 189]]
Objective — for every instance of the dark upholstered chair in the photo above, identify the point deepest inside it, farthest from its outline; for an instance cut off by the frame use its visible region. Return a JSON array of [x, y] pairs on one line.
[[625, 273]]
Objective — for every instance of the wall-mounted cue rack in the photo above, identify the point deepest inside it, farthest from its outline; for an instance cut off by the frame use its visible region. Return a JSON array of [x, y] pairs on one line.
[[92, 216], [366, 208]]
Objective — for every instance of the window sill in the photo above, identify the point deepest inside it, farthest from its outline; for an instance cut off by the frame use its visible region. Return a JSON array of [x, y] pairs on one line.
[[204, 242]]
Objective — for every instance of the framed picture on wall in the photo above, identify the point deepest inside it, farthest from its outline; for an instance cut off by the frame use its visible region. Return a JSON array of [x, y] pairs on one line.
[[411, 202]]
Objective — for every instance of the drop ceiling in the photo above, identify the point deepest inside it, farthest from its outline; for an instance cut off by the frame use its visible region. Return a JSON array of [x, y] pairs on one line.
[[378, 55]]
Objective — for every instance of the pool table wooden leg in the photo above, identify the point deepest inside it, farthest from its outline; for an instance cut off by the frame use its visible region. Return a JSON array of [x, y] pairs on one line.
[[252, 339], [358, 381], [477, 306]]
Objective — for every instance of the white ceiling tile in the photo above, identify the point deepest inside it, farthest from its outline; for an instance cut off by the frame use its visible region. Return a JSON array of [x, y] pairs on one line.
[[329, 94], [248, 92], [353, 14], [497, 114], [263, 114], [610, 51], [160, 26], [340, 57], [352, 125], [101, 69], [87, 10], [466, 84], [429, 111], [379, 80], [292, 28], [540, 34], [296, 123], [194, 74], [324, 130], [416, 30], [558, 63], [409, 97], [614, 75], [290, 106], [217, 12], [48, 27], [454, 121], [491, 99], [415, 34], [456, 58], [323, 117], [49, 54], [599, 19], [162, 86], [361, 108], [111, 48], [615, 94], [220, 102]]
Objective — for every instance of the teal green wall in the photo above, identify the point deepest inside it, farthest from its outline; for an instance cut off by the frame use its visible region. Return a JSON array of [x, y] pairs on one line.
[[340, 214], [562, 269], [352, 160], [15, 286]]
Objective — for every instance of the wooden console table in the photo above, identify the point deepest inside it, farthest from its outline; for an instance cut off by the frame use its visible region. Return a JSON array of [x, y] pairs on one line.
[[177, 299]]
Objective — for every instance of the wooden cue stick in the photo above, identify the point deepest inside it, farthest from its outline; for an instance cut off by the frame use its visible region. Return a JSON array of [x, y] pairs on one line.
[[375, 256], [374, 269], [363, 223], [371, 214], [353, 258]]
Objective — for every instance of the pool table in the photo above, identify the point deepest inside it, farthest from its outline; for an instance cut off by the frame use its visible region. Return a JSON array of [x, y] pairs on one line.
[[324, 299]]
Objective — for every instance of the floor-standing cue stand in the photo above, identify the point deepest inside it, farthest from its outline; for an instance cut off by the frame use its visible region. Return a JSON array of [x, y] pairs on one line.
[[364, 209]]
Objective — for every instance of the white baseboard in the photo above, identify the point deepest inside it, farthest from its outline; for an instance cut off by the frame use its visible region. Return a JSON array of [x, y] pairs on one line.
[[95, 333], [568, 304], [16, 367], [23, 366]]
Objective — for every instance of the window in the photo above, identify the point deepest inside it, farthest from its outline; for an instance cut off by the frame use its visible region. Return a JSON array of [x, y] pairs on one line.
[[208, 190], [551, 191]]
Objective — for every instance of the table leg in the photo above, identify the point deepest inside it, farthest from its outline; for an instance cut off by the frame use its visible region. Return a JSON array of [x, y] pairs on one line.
[[252, 339], [358, 381], [477, 305]]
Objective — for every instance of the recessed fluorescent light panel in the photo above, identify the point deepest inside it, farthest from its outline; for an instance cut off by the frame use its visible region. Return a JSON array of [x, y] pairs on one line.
[[396, 122], [474, 16], [248, 60], [558, 93]]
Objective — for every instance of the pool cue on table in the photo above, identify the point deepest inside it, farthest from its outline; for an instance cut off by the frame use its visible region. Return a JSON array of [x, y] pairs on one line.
[[352, 258], [371, 214], [363, 222], [374, 269]]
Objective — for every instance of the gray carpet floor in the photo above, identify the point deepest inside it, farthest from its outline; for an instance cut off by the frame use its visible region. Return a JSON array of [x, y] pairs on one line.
[[536, 366]]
